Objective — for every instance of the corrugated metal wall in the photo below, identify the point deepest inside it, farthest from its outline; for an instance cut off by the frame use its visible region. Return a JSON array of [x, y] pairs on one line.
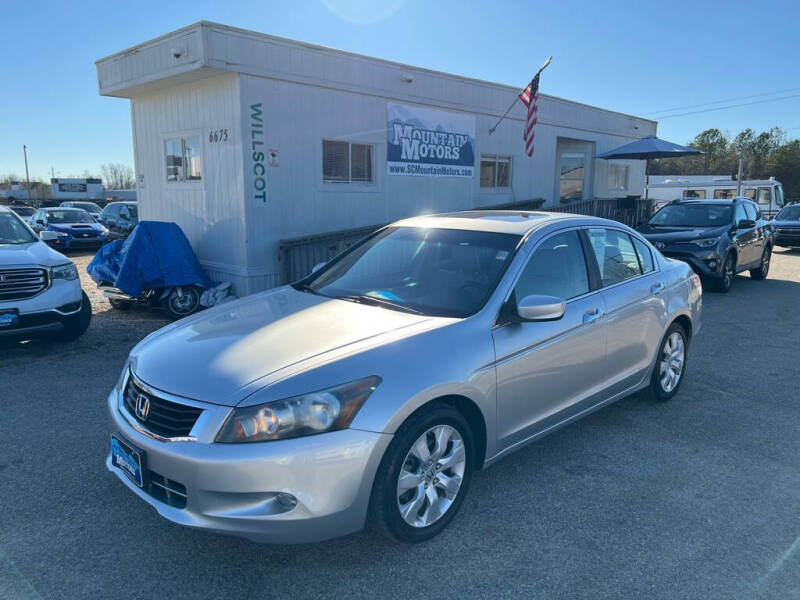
[[210, 211]]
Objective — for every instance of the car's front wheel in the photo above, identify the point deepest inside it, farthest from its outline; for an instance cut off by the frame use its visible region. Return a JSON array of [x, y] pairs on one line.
[[723, 284], [670, 364], [424, 475], [763, 268]]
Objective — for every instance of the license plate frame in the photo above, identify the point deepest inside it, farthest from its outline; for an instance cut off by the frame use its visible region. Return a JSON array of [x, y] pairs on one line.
[[128, 459], [7, 322]]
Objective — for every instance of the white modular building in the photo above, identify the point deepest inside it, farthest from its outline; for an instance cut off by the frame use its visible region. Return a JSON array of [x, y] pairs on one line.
[[76, 189], [246, 139]]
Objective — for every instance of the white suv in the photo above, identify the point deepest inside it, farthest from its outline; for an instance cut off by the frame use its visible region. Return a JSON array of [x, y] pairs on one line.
[[39, 288]]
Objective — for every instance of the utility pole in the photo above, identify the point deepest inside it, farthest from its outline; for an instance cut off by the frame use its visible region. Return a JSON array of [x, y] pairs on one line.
[[27, 178], [739, 176]]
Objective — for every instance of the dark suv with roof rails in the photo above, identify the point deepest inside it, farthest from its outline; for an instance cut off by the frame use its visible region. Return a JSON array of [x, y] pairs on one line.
[[718, 238]]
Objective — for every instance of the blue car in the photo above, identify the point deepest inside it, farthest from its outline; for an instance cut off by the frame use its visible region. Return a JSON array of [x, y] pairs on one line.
[[74, 227]]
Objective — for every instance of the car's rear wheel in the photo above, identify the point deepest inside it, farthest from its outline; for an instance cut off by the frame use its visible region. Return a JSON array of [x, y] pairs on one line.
[[670, 364], [119, 304], [182, 301], [723, 284], [424, 475], [763, 268], [74, 326]]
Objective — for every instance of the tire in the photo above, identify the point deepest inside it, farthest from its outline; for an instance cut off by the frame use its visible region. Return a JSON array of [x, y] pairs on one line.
[[76, 325], [763, 269], [723, 284], [119, 304], [182, 301], [658, 388], [424, 482]]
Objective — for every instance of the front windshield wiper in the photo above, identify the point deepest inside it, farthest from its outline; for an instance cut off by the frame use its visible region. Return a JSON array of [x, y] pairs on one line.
[[375, 301], [304, 287]]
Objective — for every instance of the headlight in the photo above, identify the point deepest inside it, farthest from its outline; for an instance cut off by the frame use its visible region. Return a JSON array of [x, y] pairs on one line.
[[103, 231], [68, 272], [325, 410], [706, 242], [62, 234]]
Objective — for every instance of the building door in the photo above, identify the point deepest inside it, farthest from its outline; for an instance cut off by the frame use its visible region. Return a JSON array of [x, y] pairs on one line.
[[574, 169]]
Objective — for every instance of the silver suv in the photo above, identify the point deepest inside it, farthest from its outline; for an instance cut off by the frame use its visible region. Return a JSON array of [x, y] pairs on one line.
[[371, 390], [40, 291]]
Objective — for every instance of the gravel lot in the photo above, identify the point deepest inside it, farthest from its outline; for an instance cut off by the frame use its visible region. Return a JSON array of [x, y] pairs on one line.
[[695, 498]]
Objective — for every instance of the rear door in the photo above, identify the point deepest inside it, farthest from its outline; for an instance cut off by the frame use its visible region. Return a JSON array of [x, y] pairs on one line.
[[546, 368], [759, 232], [635, 305]]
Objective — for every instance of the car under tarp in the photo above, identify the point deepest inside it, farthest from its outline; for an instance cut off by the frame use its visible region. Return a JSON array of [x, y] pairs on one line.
[[155, 255]]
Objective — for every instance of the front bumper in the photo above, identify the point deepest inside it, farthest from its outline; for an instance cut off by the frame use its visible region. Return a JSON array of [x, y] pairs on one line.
[[789, 238], [705, 263], [71, 243], [46, 311], [233, 488]]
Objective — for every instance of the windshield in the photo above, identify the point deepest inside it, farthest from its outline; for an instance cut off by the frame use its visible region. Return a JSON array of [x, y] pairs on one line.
[[693, 215], [133, 210], [69, 216], [23, 211], [790, 213], [443, 272], [90, 206], [13, 230]]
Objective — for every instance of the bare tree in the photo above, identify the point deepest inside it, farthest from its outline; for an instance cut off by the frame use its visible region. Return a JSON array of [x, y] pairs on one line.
[[117, 176]]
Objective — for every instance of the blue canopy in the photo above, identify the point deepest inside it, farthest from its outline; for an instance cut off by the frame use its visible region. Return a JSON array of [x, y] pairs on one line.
[[649, 147], [155, 255]]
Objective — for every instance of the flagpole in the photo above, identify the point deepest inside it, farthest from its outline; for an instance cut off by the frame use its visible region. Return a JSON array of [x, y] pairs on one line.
[[505, 114]]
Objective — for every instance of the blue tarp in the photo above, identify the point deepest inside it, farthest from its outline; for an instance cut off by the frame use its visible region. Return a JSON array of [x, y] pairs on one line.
[[155, 255]]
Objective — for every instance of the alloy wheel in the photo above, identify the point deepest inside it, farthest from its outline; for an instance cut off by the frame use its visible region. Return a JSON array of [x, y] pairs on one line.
[[183, 300], [765, 262], [673, 355], [431, 476], [727, 276]]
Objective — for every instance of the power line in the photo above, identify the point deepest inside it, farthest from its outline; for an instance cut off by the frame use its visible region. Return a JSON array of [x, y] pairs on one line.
[[707, 110], [667, 110]]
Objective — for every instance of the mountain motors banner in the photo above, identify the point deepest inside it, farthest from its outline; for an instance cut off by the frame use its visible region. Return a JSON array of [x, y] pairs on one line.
[[430, 143]]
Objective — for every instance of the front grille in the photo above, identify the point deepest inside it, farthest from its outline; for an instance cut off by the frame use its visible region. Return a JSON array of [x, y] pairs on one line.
[[19, 284], [165, 418], [166, 490]]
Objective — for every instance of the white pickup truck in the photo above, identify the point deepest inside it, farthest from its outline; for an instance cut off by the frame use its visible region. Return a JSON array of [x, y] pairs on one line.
[[40, 291]]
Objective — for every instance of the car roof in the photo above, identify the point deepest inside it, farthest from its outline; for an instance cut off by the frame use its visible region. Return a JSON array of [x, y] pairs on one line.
[[513, 222], [4, 208], [64, 208]]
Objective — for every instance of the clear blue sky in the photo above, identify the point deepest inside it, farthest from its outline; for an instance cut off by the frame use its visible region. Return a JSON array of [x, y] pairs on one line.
[[635, 57]]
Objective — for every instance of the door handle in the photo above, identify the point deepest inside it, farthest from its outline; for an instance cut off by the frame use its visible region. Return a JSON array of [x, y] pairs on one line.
[[592, 315], [656, 288]]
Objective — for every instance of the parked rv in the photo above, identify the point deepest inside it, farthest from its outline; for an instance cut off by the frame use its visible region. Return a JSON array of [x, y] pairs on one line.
[[767, 193]]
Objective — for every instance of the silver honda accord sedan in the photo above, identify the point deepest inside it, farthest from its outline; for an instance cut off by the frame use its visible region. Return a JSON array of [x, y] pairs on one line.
[[370, 391]]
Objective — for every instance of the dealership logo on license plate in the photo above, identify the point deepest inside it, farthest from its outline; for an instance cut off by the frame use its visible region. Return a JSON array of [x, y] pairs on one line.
[[8, 319]]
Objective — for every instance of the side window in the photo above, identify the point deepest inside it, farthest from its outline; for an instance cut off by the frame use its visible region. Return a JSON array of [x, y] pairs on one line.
[[741, 215], [701, 194], [556, 268], [644, 255], [615, 254], [750, 209], [764, 196]]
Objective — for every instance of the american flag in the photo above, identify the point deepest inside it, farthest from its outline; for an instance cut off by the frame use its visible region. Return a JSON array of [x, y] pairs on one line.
[[530, 97]]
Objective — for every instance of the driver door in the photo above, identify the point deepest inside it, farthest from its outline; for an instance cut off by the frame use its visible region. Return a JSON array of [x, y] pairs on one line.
[[546, 368]]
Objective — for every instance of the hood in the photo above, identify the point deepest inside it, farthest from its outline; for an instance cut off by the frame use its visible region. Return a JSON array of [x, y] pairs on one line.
[[786, 224], [70, 227], [212, 356], [30, 255], [679, 234]]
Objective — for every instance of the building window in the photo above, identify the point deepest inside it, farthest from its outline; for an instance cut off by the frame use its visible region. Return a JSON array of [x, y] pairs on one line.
[[343, 162], [572, 167], [184, 158], [495, 171], [618, 178]]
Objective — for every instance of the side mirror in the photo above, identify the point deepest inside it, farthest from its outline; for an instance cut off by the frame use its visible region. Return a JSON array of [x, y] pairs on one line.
[[318, 266], [541, 308], [745, 224], [124, 216], [39, 222], [48, 236]]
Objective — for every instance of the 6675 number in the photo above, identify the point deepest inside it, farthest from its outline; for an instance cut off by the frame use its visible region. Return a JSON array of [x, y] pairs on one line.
[[218, 135]]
